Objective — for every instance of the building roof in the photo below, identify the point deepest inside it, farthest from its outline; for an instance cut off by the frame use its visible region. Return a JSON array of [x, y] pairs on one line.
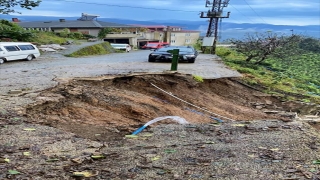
[[72, 24], [186, 31], [154, 26]]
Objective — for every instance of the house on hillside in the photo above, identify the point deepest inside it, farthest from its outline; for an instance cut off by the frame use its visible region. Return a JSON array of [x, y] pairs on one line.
[[175, 35], [135, 35], [86, 24]]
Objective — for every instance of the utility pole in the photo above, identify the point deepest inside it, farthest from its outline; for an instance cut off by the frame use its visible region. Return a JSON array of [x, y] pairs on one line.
[[214, 15]]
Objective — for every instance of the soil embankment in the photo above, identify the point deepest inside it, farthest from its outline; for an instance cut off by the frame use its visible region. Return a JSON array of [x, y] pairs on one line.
[[130, 101]]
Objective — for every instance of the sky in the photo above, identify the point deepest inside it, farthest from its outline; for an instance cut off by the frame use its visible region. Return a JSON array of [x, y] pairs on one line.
[[277, 12]]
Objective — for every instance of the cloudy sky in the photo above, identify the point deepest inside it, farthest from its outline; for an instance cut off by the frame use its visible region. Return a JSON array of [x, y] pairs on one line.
[[278, 12]]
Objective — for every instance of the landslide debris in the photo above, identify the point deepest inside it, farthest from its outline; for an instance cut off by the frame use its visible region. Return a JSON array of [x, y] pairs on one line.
[[127, 102]]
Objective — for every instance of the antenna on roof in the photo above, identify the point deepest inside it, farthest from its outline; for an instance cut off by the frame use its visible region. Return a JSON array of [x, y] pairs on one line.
[[88, 17]]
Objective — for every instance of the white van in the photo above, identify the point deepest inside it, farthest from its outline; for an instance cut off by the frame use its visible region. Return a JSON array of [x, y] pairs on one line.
[[10, 51], [125, 47]]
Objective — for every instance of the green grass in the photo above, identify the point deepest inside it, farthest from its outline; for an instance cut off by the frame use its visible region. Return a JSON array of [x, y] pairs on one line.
[[97, 49], [300, 76], [47, 38]]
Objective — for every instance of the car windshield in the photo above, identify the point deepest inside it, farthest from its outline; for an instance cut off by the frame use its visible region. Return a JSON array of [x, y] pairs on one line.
[[152, 44], [181, 49]]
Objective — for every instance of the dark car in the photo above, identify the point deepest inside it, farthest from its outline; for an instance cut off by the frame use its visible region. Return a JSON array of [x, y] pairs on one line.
[[186, 54]]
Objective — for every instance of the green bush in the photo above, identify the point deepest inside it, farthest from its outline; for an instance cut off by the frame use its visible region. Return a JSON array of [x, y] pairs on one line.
[[13, 32], [47, 38], [88, 36], [64, 33], [77, 35], [97, 49], [223, 52], [198, 78]]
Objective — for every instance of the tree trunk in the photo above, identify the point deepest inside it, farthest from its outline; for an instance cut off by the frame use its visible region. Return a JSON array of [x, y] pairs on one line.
[[264, 56], [249, 58]]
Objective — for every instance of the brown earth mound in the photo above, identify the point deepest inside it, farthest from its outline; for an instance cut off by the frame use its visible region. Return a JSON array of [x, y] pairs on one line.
[[131, 101]]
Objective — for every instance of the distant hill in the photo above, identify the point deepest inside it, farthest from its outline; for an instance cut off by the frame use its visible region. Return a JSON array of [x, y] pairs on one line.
[[228, 30]]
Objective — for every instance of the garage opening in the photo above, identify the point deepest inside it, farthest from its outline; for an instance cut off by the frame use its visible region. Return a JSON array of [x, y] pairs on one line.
[[120, 41]]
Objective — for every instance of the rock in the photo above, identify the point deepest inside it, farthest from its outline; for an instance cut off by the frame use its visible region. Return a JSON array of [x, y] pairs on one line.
[[15, 92], [268, 102], [95, 145], [47, 49], [271, 112], [289, 115], [92, 40], [78, 160], [52, 46], [310, 116]]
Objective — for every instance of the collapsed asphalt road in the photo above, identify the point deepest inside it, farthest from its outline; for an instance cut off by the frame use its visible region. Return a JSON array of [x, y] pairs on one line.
[[28, 78]]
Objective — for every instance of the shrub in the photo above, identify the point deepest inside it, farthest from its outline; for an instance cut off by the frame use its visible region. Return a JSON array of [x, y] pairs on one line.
[[88, 36], [64, 33], [223, 52], [14, 32], [77, 35], [97, 49], [197, 78], [47, 38]]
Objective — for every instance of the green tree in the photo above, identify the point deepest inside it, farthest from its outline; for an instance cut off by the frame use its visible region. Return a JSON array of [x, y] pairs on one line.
[[6, 6], [310, 44], [259, 46], [103, 32], [14, 31]]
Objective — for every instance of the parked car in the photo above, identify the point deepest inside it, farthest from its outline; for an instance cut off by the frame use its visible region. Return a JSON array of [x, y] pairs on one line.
[[186, 54], [10, 51], [125, 47], [155, 45]]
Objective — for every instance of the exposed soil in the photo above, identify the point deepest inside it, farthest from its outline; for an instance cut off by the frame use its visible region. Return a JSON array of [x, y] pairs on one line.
[[130, 101], [259, 137]]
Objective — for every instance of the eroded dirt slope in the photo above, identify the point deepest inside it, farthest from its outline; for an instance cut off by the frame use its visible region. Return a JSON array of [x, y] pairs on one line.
[[131, 101]]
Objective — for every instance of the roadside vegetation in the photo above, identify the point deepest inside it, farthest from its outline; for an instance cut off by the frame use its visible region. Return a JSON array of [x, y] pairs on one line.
[[13, 32], [286, 66], [97, 49]]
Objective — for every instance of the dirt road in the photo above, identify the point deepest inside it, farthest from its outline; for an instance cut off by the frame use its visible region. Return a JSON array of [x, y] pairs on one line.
[[46, 71]]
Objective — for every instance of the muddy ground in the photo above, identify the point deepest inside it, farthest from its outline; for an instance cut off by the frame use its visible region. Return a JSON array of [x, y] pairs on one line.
[[79, 129]]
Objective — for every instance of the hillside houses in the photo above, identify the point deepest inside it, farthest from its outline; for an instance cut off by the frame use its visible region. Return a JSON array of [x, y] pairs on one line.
[[136, 35]]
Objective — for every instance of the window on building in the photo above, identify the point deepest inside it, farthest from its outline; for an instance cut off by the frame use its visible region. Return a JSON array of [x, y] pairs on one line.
[[187, 34], [173, 41], [11, 48], [188, 41], [172, 34]]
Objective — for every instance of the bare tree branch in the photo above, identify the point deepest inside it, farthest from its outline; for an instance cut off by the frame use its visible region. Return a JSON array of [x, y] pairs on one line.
[[259, 46]]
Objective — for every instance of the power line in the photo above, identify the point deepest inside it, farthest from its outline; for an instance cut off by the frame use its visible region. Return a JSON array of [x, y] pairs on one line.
[[242, 13], [255, 12], [124, 6]]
